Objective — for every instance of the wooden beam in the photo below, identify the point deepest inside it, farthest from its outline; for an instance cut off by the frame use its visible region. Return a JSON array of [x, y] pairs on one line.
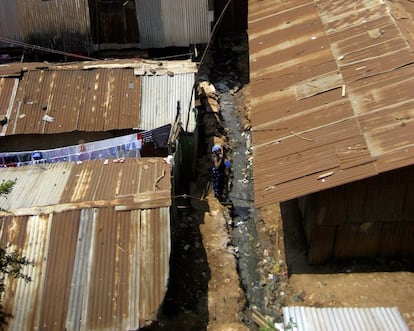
[[145, 200]]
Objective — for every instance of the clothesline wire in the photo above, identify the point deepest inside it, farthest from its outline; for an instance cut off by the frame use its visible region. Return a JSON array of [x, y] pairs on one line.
[[45, 49]]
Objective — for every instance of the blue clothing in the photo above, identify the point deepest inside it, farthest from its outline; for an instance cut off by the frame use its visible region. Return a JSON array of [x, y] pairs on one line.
[[218, 180]]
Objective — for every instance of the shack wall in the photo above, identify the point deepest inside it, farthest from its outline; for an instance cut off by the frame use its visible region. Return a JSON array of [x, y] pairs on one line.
[[368, 218]]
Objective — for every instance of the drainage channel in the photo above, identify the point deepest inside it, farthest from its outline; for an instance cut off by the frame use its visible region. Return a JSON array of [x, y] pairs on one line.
[[243, 230], [228, 76]]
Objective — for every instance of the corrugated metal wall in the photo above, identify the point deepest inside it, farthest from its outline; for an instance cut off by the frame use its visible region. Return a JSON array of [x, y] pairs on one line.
[[62, 25], [337, 319], [9, 24], [164, 23], [368, 218], [66, 24], [160, 95]]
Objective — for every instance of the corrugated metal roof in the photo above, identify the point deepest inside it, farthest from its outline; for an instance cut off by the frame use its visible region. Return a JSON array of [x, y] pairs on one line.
[[177, 23], [78, 100], [341, 319], [63, 25], [96, 96], [331, 95], [100, 239], [160, 97]]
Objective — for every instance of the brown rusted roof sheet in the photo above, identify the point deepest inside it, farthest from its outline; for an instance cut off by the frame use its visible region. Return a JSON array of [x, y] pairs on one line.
[[77, 100], [99, 235], [331, 90], [85, 96]]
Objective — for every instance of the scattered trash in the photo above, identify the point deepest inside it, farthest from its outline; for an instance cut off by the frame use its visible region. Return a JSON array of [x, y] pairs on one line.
[[279, 326], [169, 159], [326, 174], [48, 118], [299, 297], [4, 120], [234, 90], [375, 33]]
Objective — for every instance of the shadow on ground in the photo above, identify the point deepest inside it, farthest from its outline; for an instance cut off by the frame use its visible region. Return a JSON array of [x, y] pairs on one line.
[[185, 306]]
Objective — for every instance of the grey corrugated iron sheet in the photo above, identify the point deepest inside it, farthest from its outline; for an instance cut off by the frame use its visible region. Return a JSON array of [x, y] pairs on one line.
[[62, 25], [331, 98], [161, 95], [176, 23], [9, 26], [99, 235], [95, 96], [343, 319]]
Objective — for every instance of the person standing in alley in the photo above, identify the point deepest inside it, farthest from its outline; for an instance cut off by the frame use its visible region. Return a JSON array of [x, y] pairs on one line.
[[218, 171]]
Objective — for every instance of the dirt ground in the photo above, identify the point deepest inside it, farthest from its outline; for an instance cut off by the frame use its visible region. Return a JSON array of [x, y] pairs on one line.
[[347, 284]]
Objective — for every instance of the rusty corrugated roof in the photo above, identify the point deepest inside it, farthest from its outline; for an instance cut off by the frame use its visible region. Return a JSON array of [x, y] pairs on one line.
[[99, 235], [331, 90], [86, 96], [77, 100]]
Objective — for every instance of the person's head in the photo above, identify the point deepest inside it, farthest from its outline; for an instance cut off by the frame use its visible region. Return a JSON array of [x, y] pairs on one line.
[[216, 148]]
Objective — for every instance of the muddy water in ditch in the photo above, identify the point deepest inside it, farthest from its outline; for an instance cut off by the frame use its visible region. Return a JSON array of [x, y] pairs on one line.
[[243, 229]]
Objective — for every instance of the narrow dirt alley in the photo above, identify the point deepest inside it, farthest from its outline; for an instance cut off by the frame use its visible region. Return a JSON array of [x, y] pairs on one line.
[[261, 273], [221, 254], [256, 236]]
